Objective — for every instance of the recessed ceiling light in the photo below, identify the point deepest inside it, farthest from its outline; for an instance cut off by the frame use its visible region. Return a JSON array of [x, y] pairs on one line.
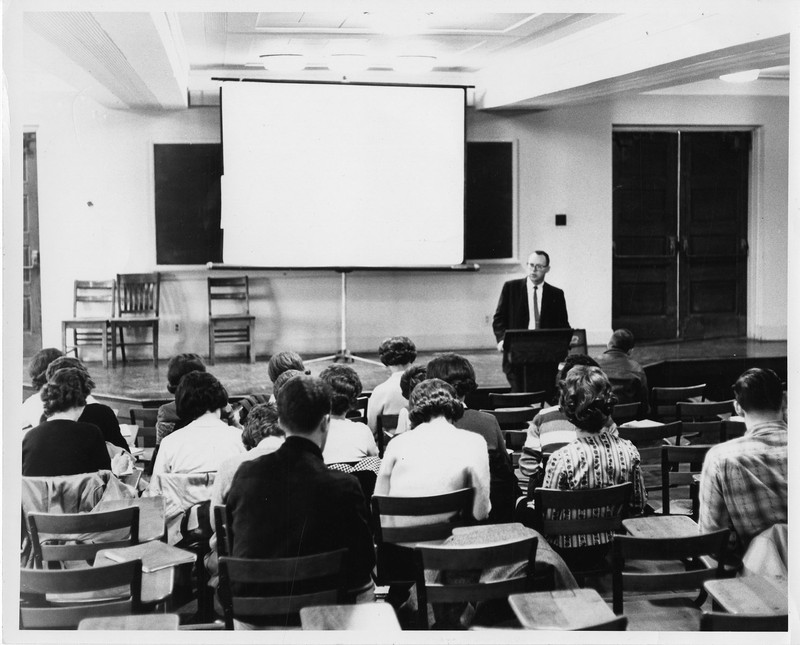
[[414, 64], [283, 62], [741, 77]]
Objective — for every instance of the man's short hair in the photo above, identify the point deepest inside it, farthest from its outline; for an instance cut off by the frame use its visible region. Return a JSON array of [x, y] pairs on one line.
[[575, 359], [759, 390], [302, 403], [345, 387], [282, 379], [622, 339], [179, 365], [455, 370], [397, 350], [545, 254]]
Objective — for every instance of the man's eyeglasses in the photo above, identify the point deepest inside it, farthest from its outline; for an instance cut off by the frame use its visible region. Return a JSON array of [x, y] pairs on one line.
[[537, 267]]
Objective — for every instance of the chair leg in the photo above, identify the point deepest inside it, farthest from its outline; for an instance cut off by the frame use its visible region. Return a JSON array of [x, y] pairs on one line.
[[210, 342], [155, 344], [64, 338], [122, 345], [251, 349], [113, 334], [105, 347]]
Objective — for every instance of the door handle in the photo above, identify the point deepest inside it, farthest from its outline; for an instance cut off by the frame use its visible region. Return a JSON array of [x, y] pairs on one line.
[[685, 245], [672, 244]]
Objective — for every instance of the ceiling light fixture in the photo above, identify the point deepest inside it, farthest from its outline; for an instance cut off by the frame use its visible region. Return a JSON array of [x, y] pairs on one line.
[[347, 63], [747, 76], [283, 62], [414, 64]]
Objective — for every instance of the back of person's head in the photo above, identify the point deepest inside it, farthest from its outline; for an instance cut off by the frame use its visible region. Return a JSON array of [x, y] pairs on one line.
[[68, 361], [622, 339], [586, 398], [434, 398], [182, 364], [575, 359], [198, 393], [345, 387], [303, 402], [397, 350], [262, 421], [282, 379], [37, 368], [282, 361], [412, 376], [759, 390], [65, 389], [455, 370]]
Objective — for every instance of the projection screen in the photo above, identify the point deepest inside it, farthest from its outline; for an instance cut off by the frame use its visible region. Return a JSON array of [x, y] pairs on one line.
[[342, 175]]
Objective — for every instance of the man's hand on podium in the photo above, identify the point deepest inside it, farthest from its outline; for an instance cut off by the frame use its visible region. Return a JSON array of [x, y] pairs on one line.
[[500, 346]]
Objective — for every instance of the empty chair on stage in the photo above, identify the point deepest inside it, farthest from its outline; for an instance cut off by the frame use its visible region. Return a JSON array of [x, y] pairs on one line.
[[137, 298], [92, 311], [234, 324]]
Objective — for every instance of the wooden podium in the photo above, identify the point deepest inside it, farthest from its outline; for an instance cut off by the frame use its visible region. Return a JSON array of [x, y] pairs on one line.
[[537, 353]]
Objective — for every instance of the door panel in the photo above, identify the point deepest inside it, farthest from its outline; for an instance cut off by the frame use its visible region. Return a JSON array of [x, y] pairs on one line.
[[31, 283], [645, 221], [713, 224]]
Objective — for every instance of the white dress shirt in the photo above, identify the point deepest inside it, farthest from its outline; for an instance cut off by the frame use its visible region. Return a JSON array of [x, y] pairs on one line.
[[348, 441], [199, 447]]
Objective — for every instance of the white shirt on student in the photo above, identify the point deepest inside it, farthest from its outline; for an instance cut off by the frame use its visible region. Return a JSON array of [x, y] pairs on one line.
[[199, 447], [348, 441]]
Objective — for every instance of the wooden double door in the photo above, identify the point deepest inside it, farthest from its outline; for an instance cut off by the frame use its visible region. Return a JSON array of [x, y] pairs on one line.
[[680, 233]]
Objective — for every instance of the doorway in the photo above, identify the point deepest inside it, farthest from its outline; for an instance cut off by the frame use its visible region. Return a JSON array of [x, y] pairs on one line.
[[680, 203], [31, 275]]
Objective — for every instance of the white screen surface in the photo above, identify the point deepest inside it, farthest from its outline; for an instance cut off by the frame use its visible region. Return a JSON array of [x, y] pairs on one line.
[[342, 175]]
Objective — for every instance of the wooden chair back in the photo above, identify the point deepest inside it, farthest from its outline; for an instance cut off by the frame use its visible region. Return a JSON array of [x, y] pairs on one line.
[[624, 412], [456, 559], [103, 583], [95, 297], [146, 419], [672, 457], [138, 294], [711, 621], [321, 577], [703, 432], [230, 323], [705, 411], [513, 418], [515, 439], [236, 290], [649, 439], [50, 531], [663, 399], [664, 549], [516, 399], [221, 530], [386, 422], [733, 429]]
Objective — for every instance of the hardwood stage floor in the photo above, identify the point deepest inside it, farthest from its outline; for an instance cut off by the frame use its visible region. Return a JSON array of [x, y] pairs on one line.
[[141, 380]]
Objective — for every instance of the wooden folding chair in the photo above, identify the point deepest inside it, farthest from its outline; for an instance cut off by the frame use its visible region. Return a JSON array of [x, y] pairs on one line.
[[230, 327], [672, 457], [663, 399], [648, 441], [516, 399], [102, 583], [138, 302], [624, 412], [92, 311], [514, 418]]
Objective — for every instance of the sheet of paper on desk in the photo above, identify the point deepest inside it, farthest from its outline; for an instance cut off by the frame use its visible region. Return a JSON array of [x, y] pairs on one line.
[[155, 555], [642, 423]]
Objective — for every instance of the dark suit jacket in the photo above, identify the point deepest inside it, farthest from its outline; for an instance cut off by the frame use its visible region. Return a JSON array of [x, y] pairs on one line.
[[288, 503], [512, 308]]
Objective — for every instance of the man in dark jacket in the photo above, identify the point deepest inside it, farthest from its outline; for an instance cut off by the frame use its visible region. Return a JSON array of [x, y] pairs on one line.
[[626, 375], [288, 503]]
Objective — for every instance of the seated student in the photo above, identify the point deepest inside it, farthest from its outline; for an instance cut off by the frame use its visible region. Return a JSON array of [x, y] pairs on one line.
[[626, 375], [277, 365], [412, 376], [95, 413], [550, 429], [347, 440], [744, 481], [205, 441], [397, 353], [597, 458], [63, 445], [317, 509], [32, 407], [458, 372]]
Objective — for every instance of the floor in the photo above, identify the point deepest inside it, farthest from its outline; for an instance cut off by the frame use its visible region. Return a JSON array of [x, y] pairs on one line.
[[141, 379]]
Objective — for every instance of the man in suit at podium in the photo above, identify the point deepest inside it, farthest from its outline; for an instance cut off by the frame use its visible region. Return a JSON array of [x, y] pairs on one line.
[[528, 303]]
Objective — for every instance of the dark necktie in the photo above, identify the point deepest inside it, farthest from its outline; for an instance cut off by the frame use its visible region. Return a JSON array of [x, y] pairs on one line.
[[535, 308]]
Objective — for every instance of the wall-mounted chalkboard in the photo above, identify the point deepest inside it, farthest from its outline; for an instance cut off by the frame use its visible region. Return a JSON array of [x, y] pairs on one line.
[[187, 196]]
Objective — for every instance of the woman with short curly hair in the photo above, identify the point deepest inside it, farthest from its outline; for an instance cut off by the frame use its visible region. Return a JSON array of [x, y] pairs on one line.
[[62, 445], [347, 440], [434, 456], [206, 440], [37, 370], [397, 353]]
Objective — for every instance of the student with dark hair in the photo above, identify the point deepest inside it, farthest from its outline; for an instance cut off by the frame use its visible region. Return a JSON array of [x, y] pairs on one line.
[[63, 445], [178, 365], [397, 353], [347, 440], [744, 482], [95, 413], [597, 458], [32, 408], [288, 503], [205, 441], [626, 375]]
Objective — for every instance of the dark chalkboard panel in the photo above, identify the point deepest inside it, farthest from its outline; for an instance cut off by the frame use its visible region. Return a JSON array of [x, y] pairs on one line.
[[489, 201], [187, 194]]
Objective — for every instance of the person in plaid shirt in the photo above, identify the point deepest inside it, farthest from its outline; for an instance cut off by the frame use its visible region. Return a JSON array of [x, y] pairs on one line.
[[743, 485]]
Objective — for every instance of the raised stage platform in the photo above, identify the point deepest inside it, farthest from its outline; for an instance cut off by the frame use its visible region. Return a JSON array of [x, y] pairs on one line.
[[716, 362]]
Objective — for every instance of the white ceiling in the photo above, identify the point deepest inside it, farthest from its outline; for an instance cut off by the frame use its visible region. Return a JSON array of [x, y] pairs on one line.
[[515, 59]]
